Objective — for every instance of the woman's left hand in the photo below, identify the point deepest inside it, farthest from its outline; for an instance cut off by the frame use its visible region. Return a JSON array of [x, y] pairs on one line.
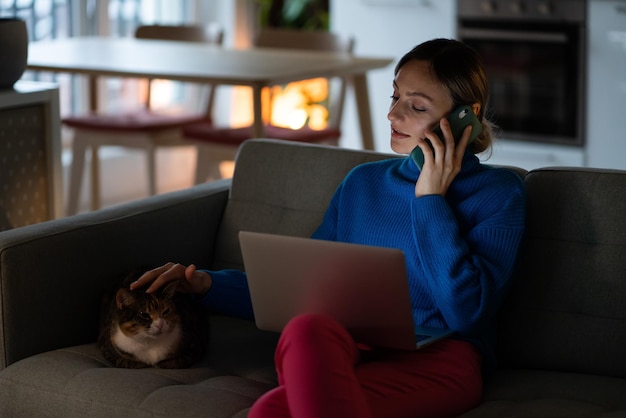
[[442, 162], [189, 279]]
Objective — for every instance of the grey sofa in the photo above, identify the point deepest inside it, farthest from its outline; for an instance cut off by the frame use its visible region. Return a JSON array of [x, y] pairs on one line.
[[562, 344]]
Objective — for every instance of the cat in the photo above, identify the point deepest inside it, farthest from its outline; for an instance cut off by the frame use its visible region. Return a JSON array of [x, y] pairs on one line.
[[165, 329]]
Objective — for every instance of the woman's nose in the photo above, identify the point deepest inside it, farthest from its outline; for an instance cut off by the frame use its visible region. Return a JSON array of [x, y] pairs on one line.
[[391, 115]]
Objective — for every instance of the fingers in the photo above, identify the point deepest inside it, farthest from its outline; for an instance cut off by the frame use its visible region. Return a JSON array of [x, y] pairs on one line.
[[190, 280], [438, 145], [442, 161], [447, 150], [467, 133], [461, 146], [149, 276], [175, 272], [159, 277], [189, 271], [198, 282]]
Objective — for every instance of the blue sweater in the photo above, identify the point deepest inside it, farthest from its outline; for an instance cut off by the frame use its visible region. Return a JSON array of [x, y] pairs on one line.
[[460, 249]]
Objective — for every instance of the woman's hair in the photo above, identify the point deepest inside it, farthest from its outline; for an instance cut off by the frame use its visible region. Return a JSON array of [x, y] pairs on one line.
[[459, 69]]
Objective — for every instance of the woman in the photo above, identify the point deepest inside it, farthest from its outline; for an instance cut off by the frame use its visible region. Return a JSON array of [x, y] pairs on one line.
[[460, 224]]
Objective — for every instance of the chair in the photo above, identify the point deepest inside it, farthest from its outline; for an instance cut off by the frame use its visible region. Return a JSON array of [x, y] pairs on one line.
[[143, 128], [217, 144]]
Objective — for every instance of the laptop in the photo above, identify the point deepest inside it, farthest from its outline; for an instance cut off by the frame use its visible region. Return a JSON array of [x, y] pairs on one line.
[[365, 288]]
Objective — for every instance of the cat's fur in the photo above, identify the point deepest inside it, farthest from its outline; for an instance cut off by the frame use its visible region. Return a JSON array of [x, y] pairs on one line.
[[165, 329]]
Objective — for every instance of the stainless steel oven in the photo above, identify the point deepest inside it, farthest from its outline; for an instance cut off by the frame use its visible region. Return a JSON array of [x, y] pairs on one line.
[[534, 56]]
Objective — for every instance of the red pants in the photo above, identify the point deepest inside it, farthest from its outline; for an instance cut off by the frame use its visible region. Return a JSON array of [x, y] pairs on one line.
[[322, 373]]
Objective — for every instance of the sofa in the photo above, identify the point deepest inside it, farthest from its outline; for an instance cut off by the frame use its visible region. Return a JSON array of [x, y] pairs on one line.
[[562, 331]]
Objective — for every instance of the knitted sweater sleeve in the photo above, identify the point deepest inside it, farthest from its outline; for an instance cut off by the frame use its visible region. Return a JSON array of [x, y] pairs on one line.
[[468, 271], [464, 245], [229, 294]]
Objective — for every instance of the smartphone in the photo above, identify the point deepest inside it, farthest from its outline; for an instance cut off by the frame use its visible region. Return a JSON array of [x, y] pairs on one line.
[[459, 119]]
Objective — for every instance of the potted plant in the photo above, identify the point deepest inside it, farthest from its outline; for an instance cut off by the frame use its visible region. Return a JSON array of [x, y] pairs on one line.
[[13, 50]]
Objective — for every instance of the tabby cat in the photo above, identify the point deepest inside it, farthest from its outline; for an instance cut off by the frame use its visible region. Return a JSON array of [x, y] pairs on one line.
[[165, 329]]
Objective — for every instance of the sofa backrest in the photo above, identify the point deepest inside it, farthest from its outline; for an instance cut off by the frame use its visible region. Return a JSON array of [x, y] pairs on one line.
[[281, 187], [566, 310]]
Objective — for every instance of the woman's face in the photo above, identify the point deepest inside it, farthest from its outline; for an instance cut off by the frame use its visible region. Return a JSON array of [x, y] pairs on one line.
[[418, 103]]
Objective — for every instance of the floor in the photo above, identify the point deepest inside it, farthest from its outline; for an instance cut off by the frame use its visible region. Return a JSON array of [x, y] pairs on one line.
[[124, 178]]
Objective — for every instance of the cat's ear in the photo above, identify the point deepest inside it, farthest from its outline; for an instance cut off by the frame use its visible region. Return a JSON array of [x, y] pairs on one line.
[[170, 290], [124, 297]]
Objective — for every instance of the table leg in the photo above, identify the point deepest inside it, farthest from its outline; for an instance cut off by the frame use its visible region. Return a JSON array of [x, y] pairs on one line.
[[92, 80], [95, 179], [258, 130], [361, 94], [95, 160]]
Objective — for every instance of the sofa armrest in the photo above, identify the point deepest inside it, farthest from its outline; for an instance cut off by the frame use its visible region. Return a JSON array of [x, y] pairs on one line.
[[53, 274]]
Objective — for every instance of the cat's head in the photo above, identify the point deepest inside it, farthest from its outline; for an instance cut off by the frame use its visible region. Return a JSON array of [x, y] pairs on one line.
[[147, 315]]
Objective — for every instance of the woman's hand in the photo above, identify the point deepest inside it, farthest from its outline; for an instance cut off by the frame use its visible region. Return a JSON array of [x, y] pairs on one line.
[[189, 279], [442, 162]]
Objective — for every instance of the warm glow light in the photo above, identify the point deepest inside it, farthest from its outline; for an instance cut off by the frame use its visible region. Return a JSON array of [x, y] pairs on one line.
[[241, 107], [289, 107], [292, 106], [161, 94], [134, 93], [316, 89], [318, 117], [227, 169]]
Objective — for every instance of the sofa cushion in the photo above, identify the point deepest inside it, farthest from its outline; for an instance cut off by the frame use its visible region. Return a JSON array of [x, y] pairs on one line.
[[54, 274], [279, 189], [566, 310], [536, 393], [79, 382]]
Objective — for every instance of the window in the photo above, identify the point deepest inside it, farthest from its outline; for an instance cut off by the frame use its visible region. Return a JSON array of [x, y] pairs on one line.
[[52, 19]]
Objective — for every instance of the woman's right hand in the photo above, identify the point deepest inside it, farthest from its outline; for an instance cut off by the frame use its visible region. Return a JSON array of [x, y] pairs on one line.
[[442, 162], [190, 280]]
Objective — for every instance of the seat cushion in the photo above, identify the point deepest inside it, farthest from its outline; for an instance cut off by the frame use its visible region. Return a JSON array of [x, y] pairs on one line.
[[135, 121], [546, 394], [206, 132], [79, 382]]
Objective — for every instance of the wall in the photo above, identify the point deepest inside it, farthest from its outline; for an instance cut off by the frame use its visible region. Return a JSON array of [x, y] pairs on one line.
[[606, 139], [387, 28], [230, 15], [392, 27]]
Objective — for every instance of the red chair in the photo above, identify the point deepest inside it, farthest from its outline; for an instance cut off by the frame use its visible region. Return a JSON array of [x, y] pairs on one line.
[[221, 143], [143, 128]]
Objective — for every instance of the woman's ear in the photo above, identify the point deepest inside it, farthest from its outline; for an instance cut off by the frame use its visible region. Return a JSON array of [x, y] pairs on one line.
[[476, 108]]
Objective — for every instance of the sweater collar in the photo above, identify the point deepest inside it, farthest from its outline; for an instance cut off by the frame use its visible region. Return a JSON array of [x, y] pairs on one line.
[[409, 170]]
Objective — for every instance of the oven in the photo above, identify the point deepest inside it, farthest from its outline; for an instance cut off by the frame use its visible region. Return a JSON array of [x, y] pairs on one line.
[[534, 55]]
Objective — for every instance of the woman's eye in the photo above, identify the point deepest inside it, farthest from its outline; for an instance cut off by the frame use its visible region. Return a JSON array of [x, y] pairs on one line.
[[394, 98], [419, 109]]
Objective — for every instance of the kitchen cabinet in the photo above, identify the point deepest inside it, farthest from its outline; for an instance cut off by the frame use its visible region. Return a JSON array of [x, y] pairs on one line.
[[30, 156], [393, 27], [606, 84]]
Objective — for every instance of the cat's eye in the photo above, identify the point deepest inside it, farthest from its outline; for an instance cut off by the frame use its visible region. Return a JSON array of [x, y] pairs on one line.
[[144, 315], [166, 312]]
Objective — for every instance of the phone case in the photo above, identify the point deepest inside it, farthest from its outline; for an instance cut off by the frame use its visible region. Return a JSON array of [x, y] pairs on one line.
[[459, 119]]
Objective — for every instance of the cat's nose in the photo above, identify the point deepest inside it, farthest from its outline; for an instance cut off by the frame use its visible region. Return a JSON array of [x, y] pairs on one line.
[[158, 324]]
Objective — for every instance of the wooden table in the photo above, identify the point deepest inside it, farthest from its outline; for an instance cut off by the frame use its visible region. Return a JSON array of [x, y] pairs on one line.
[[193, 62]]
